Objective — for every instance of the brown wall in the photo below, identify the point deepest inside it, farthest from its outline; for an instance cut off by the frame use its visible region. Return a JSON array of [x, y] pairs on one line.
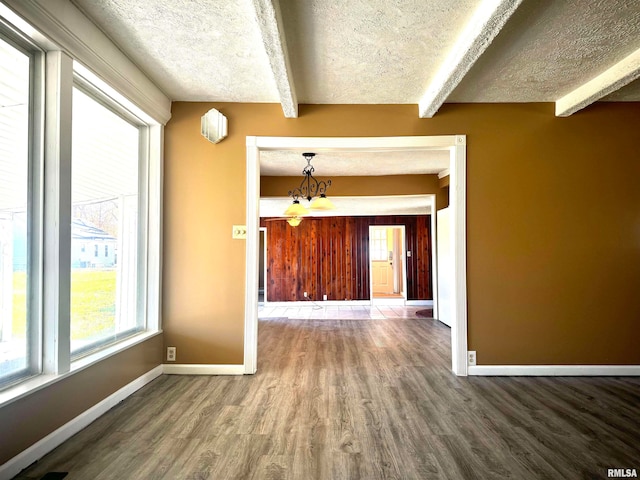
[[553, 225], [25, 421], [330, 256]]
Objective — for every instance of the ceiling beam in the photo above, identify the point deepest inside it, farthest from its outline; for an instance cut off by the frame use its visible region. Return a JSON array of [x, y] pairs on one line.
[[485, 24], [272, 33], [622, 73]]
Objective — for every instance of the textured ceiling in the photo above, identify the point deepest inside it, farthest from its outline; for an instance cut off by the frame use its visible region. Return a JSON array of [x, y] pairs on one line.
[[344, 164], [379, 51], [551, 47], [365, 51]]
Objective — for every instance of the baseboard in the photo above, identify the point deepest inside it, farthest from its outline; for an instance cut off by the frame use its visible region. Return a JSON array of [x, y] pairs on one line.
[[322, 303], [555, 370], [388, 302], [55, 438], [419, 303], [185, 369]]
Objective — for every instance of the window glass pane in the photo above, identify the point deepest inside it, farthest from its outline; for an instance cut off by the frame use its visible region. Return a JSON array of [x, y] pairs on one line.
[[104, 277], [14, 192], [379, 245]]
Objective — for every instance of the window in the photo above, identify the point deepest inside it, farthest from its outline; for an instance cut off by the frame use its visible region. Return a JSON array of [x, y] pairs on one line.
[[105, 208], [100, 164], [18, 324], [379, 249]]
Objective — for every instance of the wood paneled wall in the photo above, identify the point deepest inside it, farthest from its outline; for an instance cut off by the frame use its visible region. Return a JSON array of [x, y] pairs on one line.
[[330, 256]]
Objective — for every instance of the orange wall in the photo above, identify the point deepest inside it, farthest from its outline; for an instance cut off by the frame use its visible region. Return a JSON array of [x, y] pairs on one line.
[[553, 225]]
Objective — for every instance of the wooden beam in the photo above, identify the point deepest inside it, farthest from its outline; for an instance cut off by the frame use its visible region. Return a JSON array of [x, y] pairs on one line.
[[275, 45], [485, 24], [622, 73]]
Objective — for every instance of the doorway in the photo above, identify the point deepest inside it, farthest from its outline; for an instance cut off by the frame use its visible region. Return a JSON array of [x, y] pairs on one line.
[[454, 145], [387, 265]]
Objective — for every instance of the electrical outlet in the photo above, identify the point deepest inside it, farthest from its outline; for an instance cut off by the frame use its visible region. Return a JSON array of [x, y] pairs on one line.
[[472, 357], [305, 294], [171, 354], [324, 297]]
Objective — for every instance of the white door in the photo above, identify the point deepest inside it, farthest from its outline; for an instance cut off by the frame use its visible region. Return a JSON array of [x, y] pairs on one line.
[[445, 267], [381, 262]]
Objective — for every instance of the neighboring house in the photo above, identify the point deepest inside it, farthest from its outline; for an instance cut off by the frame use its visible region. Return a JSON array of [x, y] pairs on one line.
[[91, 247]]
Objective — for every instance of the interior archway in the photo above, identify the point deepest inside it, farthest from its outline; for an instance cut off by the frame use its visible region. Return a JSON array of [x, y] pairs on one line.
[[454, 144]]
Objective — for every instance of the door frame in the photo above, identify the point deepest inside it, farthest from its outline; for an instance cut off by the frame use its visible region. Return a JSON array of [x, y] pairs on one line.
[[402, 228], [264, 266], [454, 144]]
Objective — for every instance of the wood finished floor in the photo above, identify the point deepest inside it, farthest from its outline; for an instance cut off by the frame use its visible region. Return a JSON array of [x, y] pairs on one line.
[[358, 399]]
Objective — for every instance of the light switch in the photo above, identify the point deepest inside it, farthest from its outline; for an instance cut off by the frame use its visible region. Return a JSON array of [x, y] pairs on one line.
[[239, 231]]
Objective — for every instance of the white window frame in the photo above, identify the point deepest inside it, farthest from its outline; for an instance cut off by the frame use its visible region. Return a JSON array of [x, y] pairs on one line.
[[93, 91], [34, 202], [127, 87]]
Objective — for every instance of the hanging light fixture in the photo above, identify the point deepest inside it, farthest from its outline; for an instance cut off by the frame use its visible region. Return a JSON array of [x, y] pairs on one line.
[[294, 221], [311, 189]]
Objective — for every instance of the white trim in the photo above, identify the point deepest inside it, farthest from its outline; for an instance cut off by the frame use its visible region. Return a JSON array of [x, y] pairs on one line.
[[434, 257], [455, 144], [444, 173], [321, 303], [39, 382], [555, 370], [188, 369], [57, 214], [458, 206], [388, 302], [62, 434], [263, 290], [252, 264], [419, 303]]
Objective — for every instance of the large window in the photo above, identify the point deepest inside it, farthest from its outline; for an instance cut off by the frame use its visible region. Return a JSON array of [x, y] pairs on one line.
[[16, 320], [80, 210], [105, 212]]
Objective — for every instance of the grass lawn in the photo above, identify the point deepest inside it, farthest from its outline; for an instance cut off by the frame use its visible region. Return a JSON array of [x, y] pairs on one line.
[[93, 300]]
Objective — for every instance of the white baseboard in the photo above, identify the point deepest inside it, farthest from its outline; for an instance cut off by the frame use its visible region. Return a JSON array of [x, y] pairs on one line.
[[322, 303], [55, 438], [348, 303], [388, 302], [555, 370], [172, 369]]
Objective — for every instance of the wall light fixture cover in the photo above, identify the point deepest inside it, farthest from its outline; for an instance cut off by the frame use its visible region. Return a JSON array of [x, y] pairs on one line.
[[213, 126]]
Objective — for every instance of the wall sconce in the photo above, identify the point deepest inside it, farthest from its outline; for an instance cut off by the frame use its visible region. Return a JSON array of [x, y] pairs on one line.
[[213, 126]]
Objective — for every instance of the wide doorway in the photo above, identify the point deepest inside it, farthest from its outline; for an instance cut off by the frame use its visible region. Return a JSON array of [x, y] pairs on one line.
[[455, 148]]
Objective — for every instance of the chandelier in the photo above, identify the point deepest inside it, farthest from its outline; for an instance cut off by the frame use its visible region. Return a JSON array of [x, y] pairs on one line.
[[311, 189]]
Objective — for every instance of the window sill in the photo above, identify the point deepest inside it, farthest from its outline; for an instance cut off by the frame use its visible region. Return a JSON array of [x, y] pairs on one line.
[[38, 382]]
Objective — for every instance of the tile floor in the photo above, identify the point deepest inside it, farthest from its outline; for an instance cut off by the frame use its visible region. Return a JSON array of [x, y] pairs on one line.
[[346, 312]]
